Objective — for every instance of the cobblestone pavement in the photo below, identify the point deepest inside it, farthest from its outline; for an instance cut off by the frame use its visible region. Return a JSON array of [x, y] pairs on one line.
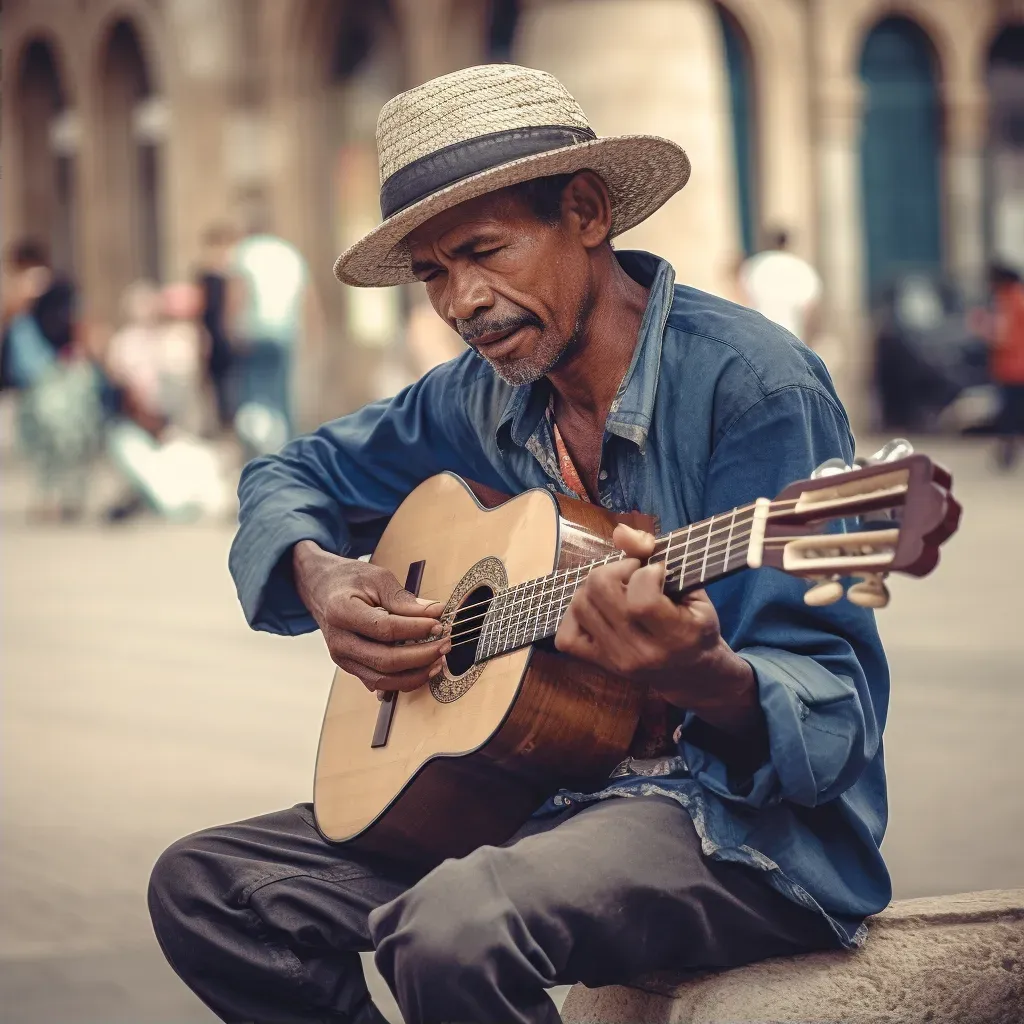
[[137, 707]]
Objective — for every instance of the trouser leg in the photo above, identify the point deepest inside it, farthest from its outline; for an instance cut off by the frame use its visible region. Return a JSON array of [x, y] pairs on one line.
[[614, 891], [264, 920]]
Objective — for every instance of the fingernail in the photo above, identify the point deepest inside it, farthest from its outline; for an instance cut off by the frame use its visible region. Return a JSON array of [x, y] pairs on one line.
[[446, 646], [425, 602], [436, 670], [437, 630]]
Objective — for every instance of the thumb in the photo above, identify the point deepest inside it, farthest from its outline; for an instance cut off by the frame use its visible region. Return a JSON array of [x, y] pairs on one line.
[[399, 601], [634, 543]]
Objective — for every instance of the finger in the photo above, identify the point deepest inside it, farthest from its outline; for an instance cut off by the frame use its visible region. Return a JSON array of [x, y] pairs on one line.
[[388, 660], [571, 638], [606, 586], [401, 682], [379, 624], [646, 603], [635, 543], [598, 624]]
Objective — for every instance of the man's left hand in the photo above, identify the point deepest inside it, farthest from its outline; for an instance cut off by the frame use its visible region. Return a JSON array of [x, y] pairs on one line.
[[621, 620]]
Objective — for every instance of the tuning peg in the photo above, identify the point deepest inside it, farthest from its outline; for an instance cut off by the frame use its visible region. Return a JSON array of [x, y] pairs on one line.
[[824, 593], [871, 592]]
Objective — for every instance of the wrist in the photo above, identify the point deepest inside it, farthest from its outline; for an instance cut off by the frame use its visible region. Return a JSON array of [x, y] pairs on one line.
[[309, 566], [721, 689]]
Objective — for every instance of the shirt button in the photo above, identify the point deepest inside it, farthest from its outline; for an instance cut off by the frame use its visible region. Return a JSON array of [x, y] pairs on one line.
[[603, 475]]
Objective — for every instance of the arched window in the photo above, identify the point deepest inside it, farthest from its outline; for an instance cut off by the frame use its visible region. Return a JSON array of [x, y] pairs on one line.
[[132, 131], [47, 139], [900, 145], [741, 107], [1005, 170]]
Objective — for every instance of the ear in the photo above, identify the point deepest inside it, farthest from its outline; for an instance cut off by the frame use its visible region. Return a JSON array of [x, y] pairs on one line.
[[587, 208]]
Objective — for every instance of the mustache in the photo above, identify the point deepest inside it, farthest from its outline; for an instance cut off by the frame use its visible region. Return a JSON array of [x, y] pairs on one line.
[[477, 327]]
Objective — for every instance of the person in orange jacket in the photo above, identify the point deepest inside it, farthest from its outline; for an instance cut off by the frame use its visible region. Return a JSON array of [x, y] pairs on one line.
[[1007, 358]]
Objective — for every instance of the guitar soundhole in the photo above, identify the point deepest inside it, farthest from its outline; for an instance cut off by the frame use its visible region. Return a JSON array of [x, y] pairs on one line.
[[466, 628]]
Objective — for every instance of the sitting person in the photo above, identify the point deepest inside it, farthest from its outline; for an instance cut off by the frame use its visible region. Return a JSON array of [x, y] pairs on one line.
[[592, 373]]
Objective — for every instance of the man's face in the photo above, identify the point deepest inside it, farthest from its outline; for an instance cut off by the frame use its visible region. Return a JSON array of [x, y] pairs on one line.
[[514, 287]]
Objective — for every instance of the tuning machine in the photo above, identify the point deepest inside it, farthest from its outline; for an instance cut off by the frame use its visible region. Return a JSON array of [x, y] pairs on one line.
[[870, 592], [825, 590]]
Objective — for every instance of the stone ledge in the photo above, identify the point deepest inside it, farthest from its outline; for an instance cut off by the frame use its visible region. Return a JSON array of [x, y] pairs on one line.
[[956, 959]]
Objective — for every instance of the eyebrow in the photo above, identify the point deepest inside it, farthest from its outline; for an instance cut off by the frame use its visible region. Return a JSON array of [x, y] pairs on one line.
[[463, 249]]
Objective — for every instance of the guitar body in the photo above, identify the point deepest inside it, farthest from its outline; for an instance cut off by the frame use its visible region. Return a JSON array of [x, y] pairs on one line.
[[469, 757]]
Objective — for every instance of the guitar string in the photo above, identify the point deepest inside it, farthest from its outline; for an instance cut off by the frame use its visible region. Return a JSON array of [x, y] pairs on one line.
[[683, 562], [474, 633], [669, 540], [670, 568]]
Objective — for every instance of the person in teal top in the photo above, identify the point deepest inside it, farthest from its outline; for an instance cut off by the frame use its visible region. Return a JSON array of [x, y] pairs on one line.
[[270, 282]]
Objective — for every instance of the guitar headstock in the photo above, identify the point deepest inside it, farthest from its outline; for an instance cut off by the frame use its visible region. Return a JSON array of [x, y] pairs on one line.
[[903, 510]]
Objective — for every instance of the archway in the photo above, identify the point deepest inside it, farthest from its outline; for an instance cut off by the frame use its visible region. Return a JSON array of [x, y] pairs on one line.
[[900, 150], [132, 124], [46, 147], [1005, 163], [740, 69]]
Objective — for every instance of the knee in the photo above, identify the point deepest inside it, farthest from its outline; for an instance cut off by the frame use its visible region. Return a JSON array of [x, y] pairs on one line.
[[181, 890], [455, 922]]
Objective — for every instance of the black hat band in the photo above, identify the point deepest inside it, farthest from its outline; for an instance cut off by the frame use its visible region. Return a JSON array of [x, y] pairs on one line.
[[438, 170]]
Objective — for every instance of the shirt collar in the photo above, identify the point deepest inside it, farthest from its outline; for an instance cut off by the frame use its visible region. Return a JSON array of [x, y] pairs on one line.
[[633, 406]]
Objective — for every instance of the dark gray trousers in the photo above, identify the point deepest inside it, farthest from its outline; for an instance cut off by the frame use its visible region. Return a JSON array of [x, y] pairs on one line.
[[264, 919]]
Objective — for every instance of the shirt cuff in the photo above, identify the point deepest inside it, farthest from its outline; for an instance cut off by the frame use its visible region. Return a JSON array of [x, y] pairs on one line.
[[261, 564]]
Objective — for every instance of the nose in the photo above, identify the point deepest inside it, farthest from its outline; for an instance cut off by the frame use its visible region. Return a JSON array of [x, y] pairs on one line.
[[468, 294]]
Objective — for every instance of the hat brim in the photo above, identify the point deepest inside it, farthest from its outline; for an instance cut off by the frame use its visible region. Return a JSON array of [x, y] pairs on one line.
[[642, 173]]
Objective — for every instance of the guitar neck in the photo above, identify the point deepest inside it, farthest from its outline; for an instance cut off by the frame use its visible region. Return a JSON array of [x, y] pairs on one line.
[[693, 555]]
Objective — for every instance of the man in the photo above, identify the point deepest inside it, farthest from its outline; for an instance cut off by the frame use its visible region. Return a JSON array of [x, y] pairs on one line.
[[588, 372], [1007, 359], [782, 286], [269, 298], [212, 278]]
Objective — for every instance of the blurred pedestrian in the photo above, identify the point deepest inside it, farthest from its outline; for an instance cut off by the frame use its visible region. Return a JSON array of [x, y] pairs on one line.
[[212, 278], [1006, 336], [184, 353], [783, 287], [61, 411], [268, 300]]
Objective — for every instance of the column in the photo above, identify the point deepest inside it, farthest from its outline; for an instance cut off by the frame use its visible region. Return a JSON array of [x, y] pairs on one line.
[[653, 67], [966, 133], [840, 234]]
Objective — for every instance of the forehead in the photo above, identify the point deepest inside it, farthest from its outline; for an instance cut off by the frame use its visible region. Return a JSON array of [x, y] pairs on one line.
[[501, 211]]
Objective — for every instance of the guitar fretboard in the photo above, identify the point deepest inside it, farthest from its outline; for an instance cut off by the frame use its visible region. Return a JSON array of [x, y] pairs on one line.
[[693, 555]]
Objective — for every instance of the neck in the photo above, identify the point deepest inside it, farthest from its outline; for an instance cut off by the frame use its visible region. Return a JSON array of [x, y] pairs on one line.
[[693, 556], [588, 378]]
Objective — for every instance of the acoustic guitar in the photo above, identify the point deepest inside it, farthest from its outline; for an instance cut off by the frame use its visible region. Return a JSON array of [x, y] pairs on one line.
[[464, 760]]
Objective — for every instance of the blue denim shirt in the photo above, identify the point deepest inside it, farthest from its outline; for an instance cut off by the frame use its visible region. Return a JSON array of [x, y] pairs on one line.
[[719, 407]]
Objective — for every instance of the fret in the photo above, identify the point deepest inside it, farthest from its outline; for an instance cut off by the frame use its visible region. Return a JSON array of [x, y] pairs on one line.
[[707, 548], [686, 557], [508, 617], [527, 613], [668, 559], [728, 540]]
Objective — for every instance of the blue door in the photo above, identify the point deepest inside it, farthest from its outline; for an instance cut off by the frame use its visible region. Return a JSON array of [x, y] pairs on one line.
[[741, 108], [899, 153]]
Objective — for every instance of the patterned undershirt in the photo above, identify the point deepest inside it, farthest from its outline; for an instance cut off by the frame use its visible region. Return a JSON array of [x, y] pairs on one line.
[[653, 737]]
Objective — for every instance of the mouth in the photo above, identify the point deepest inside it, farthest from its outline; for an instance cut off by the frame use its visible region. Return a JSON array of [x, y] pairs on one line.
[[498, 344]]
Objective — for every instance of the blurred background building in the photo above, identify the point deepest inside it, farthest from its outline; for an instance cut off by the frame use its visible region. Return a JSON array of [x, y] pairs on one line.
[[882, 135]]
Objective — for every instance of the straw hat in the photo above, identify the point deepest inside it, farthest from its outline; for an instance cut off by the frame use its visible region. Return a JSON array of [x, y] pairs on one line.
[[481, 129]]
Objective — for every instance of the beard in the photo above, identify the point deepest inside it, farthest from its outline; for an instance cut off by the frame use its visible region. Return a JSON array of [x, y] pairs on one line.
[[551, 350]]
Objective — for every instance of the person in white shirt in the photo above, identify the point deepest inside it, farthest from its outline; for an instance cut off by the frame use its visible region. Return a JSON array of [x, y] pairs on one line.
[[783, 287]]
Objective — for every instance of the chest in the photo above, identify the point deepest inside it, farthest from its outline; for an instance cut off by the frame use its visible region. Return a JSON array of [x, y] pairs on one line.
[[583, 445]]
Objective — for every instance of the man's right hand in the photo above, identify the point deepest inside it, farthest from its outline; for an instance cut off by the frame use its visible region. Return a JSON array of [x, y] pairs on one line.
[[364, 613]]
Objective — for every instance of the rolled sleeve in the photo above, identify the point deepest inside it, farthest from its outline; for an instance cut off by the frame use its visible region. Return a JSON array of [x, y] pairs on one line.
[[821, 675]]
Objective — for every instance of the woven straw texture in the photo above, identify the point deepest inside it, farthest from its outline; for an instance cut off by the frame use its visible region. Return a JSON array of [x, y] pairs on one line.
[[641, 171]]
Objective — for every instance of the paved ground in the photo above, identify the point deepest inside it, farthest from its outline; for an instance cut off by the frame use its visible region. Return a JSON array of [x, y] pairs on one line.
[[137, 707]]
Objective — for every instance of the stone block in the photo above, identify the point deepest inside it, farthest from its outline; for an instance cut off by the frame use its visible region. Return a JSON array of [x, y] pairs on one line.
[[940, 959]]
